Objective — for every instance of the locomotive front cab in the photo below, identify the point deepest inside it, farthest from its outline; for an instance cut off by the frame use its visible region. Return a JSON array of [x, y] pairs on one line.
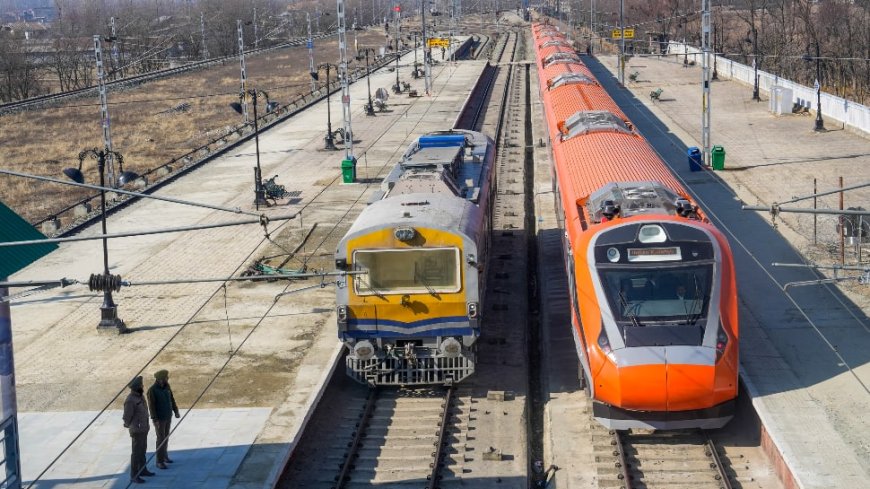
[[666, 331], [413, 316]]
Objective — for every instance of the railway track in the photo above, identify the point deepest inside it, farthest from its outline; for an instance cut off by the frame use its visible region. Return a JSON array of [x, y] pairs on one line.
[[470, 435], [668, 460], [406, 437]]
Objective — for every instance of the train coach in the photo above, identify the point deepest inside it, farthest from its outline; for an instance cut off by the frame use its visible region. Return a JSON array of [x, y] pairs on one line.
[[651, 281], [413, 316]]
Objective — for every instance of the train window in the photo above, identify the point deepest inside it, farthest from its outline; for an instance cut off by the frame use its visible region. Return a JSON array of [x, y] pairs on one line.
[[412, 271], [652, 296]]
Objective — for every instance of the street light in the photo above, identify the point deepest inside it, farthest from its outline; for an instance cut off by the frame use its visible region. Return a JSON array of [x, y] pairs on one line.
[[330, 140], [109, 310], [820, 124], [416, 73], [259, 194], [755, 95], [398, 87], [369, 108]]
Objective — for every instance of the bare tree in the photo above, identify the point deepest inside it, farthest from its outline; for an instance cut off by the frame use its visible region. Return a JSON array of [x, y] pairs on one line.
[[19, 73]]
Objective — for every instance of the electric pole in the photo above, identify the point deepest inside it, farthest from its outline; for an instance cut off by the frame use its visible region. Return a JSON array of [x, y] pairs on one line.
[[427, 73], [256, 38], [345, 85], [104, 112], [621, 43], [310, 53], [244, 73], [202, 35], [705, 79]]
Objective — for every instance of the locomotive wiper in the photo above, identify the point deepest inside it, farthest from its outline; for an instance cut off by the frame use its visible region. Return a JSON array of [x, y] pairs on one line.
[[375, 291], [627, 310], [418, 276], [698, 298]]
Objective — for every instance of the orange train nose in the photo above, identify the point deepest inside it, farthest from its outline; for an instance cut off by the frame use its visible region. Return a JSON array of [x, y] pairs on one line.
[[666, 387]]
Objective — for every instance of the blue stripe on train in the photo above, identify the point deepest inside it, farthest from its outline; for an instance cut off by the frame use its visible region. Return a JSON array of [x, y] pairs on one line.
[[413, 324]]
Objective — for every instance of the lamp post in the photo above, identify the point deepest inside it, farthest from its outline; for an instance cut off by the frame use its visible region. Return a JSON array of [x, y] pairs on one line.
[[109, 310], [330, 141], [397, 88], [259, 194], [755, 95], [820, 124], [369, 108], [416, 73]]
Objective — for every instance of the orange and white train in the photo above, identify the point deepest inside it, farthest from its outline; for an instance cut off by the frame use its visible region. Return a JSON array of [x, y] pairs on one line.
[[652, 285]]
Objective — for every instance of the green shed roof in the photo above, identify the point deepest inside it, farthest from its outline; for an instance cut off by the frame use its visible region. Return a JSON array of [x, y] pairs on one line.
[[14, 228]]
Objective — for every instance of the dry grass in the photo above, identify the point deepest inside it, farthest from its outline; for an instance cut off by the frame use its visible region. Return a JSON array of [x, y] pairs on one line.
[[46, 141]]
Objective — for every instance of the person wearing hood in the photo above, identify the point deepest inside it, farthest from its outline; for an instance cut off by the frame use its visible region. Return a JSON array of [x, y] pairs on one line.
[[162, 404], [136, 421]]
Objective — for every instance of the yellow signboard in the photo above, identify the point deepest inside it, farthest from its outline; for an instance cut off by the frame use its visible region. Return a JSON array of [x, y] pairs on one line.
[[439, 42], [629, 34]]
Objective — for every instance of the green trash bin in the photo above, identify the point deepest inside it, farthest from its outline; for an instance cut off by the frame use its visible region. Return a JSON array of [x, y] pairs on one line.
[[348, 170], [718, 157]]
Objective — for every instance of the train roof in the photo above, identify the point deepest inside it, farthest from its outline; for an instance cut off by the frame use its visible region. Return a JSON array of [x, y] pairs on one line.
[[594, 143], [445, 162]]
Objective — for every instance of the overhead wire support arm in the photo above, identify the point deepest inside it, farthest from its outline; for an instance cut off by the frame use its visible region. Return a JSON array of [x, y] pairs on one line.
[[235, 210], [863, 279], [261, 220], [822, 194], [776, 209]]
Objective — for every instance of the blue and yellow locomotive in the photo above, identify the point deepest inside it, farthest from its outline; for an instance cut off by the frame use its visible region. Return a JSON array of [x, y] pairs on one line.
[[413, 316]]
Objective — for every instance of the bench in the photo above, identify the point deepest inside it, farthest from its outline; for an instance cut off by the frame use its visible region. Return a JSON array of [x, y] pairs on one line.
[[633, 76], [656, 94]]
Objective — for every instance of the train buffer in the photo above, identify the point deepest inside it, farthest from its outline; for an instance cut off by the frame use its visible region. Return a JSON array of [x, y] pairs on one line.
[[633, 76], [656, 94]]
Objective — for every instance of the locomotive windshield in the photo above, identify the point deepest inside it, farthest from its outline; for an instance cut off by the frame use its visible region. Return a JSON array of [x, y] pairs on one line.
[[411, 271], [680, 295]]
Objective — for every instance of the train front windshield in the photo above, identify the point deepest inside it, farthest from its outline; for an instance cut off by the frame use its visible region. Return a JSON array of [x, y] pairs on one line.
[[411, 271], [656, 306]]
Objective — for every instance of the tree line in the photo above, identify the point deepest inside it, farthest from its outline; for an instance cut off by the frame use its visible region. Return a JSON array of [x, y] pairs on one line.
[[59, 56], [779, 35]]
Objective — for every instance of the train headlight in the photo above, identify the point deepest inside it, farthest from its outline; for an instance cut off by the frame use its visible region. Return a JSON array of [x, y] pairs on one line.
[[404, 233], [604, 343], [364, 350], [341, 312], [652, 233], [721, 342], [613, 254], [450, 348], [473, 309]]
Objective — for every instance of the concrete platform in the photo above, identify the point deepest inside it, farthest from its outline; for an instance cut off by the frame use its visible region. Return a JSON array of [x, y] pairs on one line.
[[805, 351], [246, 365]]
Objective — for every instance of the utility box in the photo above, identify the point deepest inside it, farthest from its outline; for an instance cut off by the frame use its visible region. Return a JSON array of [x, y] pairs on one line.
[[780, 100], [348, 170], [717, 155]]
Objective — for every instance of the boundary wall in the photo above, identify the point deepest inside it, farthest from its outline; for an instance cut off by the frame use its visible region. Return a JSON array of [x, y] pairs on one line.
[[852, 115]]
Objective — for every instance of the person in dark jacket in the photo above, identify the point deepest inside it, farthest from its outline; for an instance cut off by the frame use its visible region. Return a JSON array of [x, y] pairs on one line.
[[161, 402], [136, 420]]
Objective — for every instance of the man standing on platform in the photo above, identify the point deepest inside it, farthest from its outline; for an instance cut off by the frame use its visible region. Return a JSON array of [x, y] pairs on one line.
[[136, 420], [161, 402]]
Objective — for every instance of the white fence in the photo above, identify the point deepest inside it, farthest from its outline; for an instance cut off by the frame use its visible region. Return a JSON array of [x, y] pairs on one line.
[[853, 115]]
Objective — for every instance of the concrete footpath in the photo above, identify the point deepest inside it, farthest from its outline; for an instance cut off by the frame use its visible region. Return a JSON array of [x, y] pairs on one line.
[[805, 351], [247, 361]]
